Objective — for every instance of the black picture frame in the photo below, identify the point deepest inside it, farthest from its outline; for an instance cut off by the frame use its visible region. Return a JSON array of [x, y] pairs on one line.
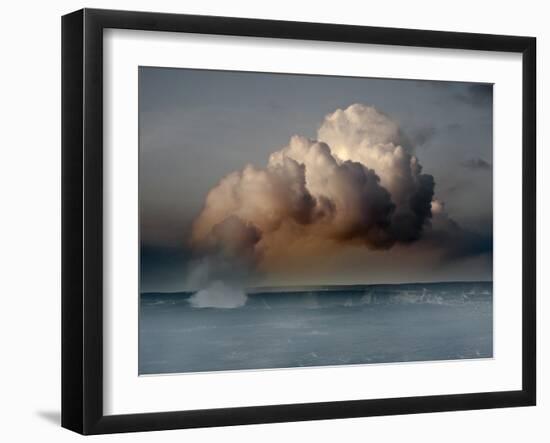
[[82, 219]]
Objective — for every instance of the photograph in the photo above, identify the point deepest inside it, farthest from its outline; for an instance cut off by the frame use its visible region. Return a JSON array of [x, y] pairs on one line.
[[296, 221]]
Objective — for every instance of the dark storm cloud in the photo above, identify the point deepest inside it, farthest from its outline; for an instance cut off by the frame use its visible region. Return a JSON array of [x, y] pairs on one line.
[[458, 243], [454, 127], [422, 136], [477, 95], [408, 227], [476, 164]]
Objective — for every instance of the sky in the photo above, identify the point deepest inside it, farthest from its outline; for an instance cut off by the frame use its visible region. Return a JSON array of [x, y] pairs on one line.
[[280, 180]]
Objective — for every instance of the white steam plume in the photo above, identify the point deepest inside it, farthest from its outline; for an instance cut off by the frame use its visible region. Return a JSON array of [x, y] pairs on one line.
[[219, 295], [226, 260]]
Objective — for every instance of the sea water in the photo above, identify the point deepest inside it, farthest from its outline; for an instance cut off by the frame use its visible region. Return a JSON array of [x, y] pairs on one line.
[[305, 327]]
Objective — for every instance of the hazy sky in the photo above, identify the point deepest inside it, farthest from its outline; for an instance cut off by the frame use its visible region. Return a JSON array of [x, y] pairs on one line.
[[198, 126]]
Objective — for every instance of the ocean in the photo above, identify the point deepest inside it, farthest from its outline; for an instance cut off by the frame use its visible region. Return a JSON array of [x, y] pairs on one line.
[[317, 326]]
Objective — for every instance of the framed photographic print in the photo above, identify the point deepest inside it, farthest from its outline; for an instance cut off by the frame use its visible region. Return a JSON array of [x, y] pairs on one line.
[[269, 221]]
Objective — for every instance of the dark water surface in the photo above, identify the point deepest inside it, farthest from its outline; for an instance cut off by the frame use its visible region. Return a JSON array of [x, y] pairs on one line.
[[317, 327]]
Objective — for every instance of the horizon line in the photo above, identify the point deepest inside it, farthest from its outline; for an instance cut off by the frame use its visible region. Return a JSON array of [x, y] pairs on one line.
[[257, 288]]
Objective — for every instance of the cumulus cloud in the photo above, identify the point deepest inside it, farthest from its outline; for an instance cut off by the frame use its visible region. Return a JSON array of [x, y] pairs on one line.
[[363, 134], [357, 182]]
